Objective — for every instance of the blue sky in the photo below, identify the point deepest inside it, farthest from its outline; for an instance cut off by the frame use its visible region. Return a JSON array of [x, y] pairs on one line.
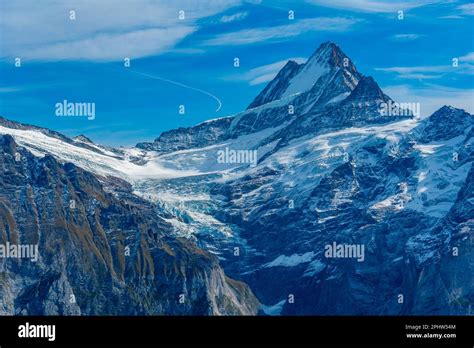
[[190, 61]]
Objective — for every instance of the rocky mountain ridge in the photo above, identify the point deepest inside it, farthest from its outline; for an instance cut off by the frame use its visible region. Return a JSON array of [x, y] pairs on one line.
[[332, 169]]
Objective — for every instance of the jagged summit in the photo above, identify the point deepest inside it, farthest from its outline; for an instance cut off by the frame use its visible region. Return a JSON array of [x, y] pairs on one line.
[[326, 84], [336, 169], [296, 78], [82, 138], [328, 53], [445, 123]]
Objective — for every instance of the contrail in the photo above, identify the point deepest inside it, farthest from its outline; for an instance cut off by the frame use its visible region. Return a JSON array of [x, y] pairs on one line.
[[181, 85], [219, 103]]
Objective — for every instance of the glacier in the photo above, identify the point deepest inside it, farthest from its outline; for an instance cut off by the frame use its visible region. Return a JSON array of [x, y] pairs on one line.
[[337, 170]]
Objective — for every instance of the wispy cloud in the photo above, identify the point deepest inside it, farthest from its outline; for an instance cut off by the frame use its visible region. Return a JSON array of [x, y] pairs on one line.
[[432, 71], [461, 12], [451, 17], [249, 36], [416, 69], [233, 17], [467, 9], [187, 51], [109, 47], [103, 30], [266, 72], [406, 37], [374, 6], [432, 96], [10, 89], [467, 58]]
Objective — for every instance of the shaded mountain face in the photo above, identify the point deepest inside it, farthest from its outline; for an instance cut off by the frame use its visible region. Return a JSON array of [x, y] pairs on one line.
[[332, 170], [407, 201], [445, 282], [360, 107], [99, 253], [277, 87], [444, 124]]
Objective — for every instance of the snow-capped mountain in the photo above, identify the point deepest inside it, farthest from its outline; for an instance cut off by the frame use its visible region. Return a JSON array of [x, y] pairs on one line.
[[99, 252], [324, 93], [330, 169], [327, 76]]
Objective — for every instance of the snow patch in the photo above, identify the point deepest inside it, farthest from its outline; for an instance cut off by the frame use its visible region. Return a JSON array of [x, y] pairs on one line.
[[275, 309], [290, 261], [314, 268], [305, 79]]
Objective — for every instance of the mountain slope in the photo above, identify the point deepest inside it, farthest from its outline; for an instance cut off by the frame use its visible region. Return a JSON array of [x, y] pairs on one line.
[[99, 253], [336, 170], [372, 186], [275, 89]]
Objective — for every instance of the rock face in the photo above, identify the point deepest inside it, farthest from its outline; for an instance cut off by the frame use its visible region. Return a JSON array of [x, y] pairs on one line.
[[99, 253], [394, 191], [338, 170], [275, 89], [204, 134], [409, 205], [446, 123]]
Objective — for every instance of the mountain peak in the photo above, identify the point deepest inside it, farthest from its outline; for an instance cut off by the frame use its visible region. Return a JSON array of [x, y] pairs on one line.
[[291, 63], [327, 47], [445, 123], [296, 78], [82, 138], [448, 108], [328, 43], [330, 54]]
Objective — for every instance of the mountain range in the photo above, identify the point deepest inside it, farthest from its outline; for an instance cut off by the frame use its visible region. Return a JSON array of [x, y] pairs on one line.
[[166, 228]]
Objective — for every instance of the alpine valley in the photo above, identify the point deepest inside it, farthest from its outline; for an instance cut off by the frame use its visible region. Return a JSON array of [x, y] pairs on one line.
[[167, 228]]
